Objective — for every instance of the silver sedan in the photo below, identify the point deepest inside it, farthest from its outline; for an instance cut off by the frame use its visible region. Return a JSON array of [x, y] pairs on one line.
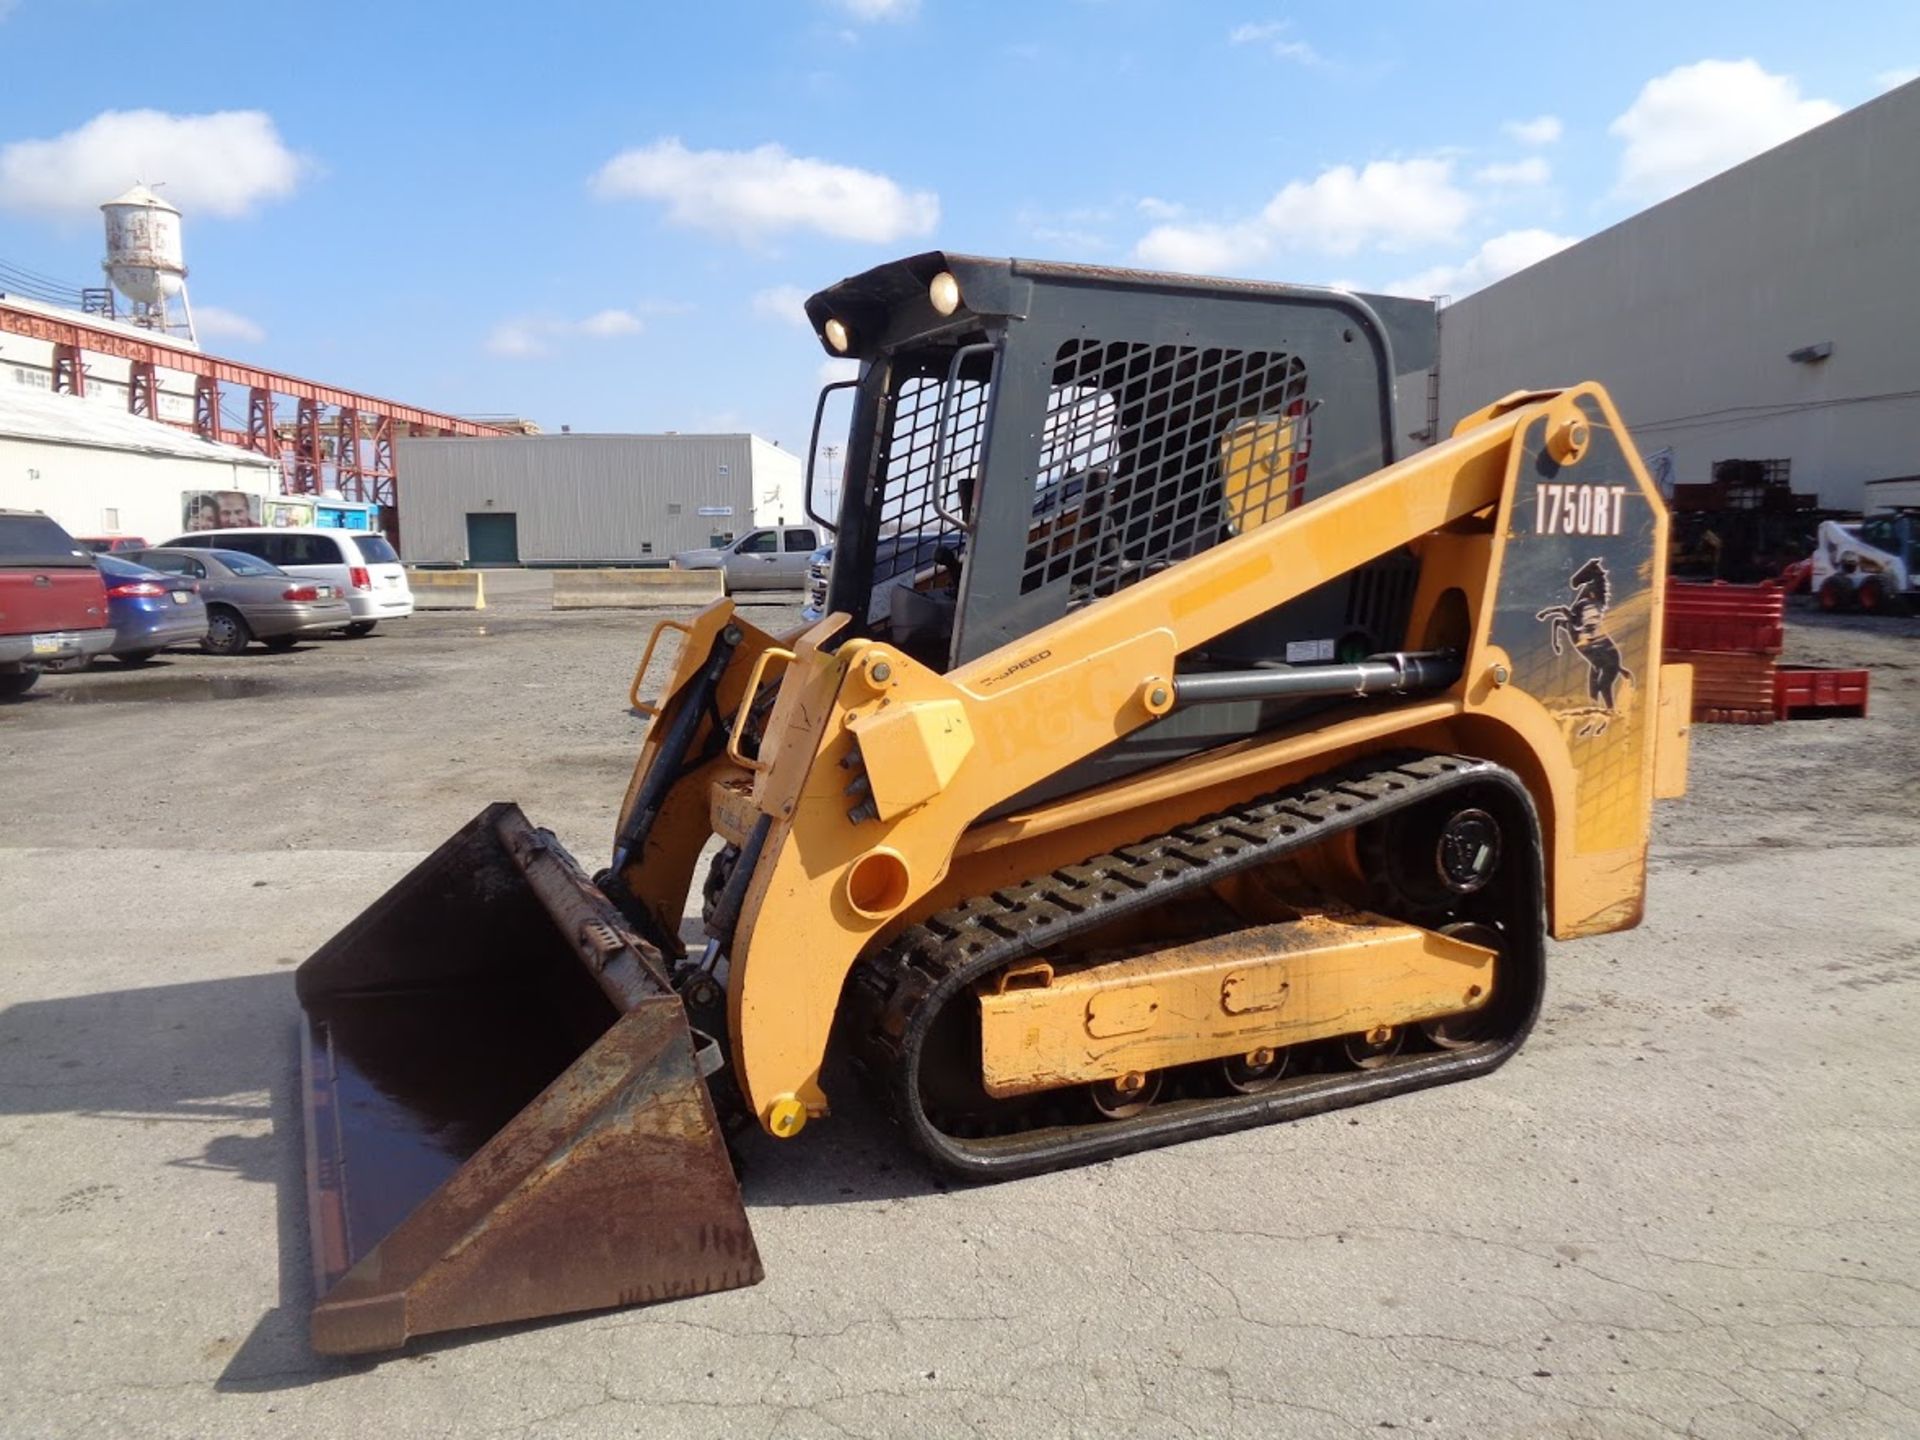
[[249, 599]]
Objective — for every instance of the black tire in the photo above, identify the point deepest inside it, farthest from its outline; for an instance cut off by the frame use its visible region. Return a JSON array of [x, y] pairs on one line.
[[1835, 595], [227, 632], [16, 683], [135, 657], [280, 642], [360, 627], [1873, 595]]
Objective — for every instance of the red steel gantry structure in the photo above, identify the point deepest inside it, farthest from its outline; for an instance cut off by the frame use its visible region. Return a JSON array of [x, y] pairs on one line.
[[352, 447]]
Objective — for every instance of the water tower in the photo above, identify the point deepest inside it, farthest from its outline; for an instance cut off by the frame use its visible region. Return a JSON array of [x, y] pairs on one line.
[[145, 262]]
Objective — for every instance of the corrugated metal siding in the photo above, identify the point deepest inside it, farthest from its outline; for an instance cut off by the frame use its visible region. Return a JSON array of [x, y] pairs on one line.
[[577, 498]]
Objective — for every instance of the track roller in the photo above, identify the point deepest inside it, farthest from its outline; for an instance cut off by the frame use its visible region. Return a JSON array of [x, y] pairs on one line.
[[1252, 1073], [1126, 1096]]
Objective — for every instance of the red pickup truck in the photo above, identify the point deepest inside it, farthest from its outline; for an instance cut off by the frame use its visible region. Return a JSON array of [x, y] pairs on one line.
[[53, 604]]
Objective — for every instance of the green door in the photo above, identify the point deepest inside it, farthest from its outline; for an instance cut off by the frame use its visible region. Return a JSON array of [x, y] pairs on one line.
[[493, 539]]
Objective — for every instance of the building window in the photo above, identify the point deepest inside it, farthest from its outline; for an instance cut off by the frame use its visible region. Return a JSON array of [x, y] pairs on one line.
[[110, 519], [673, 507], [646, 547]]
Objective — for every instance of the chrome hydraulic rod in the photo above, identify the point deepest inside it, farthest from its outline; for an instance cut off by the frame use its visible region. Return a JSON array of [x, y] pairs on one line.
[[1399, 673]]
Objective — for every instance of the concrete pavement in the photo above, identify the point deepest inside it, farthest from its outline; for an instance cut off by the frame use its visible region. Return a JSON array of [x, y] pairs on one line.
[[1687, 1208]]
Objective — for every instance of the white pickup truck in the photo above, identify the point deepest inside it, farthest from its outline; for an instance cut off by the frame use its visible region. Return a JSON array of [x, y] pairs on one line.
[[773, 557]]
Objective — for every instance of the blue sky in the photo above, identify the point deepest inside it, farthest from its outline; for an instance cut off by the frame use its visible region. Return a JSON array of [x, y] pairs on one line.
[[603, 215]]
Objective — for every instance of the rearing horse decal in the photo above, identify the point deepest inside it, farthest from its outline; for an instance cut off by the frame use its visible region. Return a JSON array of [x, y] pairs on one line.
[[1582, 625]]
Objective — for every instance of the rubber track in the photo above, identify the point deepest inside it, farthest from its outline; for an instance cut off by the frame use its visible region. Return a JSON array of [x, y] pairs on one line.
[[898, 992]]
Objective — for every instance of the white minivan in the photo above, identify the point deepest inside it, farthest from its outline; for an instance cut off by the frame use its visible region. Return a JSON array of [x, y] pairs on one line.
[[363, 565]]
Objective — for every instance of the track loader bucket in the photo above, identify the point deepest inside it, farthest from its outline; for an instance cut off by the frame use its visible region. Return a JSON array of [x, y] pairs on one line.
[[505, 1110]]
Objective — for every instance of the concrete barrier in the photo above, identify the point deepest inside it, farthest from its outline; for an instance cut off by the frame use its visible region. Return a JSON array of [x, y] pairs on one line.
[[447, 589], [636, 589]]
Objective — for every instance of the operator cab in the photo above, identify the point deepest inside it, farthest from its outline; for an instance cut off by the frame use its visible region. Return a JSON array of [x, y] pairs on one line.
[[1026, 438], [1051, 434]]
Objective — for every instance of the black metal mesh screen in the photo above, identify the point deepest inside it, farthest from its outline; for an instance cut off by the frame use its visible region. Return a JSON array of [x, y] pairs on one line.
[[1152, 453], [932, 459]]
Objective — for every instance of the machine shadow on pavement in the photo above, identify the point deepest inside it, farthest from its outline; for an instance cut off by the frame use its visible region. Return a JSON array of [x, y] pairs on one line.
[[217, 1059], [214, 1058]]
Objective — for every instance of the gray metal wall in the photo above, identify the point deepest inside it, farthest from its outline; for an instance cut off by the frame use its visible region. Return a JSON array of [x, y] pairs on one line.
[[577, 498], [1686, 313]]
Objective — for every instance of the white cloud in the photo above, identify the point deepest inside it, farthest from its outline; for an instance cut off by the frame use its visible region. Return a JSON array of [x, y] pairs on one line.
[[1533, 170], [1894, 79], [747, 195], [1386, 205], [607, 324], [1697, 120], [1157, 209], [1500, 257], [833, 370], [224, 163], [211, 322], [1204, 249], [528, 337], [1392, 204], [1276, 37], [785, 303], [515, 340], [881, 9], [1077, 231], [1541, 130]]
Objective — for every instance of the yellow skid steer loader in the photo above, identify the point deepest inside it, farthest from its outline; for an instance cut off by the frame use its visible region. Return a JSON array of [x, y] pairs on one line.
[[1179, 754]]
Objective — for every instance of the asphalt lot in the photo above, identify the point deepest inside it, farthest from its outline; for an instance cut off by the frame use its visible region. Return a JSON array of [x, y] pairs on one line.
[[1690, 1207]]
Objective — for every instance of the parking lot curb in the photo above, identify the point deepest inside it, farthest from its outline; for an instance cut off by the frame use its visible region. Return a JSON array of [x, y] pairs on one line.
[[448, 589], [635, 589]]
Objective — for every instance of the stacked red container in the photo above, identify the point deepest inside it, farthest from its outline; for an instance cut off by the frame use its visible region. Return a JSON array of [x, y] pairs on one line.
[[1731, 635], [1726, 619]]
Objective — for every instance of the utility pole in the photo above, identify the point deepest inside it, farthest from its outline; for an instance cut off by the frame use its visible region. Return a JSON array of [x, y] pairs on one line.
[[832, 452]]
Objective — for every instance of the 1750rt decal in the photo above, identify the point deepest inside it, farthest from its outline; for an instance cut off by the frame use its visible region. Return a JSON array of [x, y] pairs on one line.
[[1562, 509]]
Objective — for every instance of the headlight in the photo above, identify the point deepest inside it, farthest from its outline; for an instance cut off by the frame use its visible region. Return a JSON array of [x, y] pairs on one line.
[[837, 336], [944, 292]]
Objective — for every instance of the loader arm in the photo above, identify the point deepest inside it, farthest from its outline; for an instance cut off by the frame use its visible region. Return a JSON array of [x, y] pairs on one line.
[[928, 755]]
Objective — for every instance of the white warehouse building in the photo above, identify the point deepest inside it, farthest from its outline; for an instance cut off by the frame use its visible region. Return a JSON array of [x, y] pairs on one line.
[[100, 471], [587, 499], [1770, 313]]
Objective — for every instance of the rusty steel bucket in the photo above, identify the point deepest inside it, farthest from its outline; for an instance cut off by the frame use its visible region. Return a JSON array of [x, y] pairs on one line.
[[505, 1110]]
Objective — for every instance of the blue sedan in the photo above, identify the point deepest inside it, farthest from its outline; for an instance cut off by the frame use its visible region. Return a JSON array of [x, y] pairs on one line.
[[149, 610]]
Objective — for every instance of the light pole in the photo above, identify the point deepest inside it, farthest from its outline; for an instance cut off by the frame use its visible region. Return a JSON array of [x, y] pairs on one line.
[[832, 452]]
